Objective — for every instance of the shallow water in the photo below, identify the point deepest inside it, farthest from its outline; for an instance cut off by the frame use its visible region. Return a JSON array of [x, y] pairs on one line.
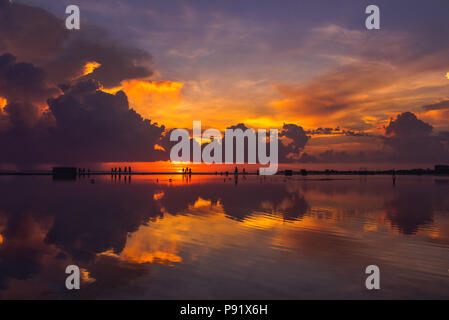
[[217, 238]]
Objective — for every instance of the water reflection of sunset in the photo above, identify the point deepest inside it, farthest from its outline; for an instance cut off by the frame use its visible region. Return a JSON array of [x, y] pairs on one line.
[[151, 231]]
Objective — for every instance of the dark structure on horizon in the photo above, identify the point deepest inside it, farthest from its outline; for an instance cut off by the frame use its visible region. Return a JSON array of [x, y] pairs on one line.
[[64, 173], [442, 169]]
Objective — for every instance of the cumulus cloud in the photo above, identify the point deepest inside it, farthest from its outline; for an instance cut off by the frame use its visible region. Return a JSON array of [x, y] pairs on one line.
[[41, 64], [94, 125], [407, 139], [25, 88], [83, 124], [36, 36], [116, 62], [412, 139]]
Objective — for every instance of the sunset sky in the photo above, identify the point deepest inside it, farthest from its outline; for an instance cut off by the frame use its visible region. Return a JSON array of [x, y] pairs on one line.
[[261, 63]]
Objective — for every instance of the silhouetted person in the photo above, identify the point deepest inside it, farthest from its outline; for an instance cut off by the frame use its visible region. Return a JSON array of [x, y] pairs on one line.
[[394, 178], [190, 171], [129, 169], [236, 170], [244, 171], [120, 170], [124, 170]]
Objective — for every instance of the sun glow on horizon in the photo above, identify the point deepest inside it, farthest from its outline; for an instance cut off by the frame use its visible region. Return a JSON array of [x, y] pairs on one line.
[[3, 103]]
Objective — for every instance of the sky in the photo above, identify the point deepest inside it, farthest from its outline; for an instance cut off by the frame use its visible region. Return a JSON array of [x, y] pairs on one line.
[[353, 95]]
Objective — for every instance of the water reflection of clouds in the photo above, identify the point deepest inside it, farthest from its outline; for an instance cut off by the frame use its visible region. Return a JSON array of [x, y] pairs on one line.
[[120, 230]]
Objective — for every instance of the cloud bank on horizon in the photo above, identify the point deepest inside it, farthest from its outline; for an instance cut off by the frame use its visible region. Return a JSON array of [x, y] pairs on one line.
[[337, 92]]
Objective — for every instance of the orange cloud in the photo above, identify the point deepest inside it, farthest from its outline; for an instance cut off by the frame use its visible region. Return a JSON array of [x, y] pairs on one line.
[[3, 103], [90, 67], [156, 100]]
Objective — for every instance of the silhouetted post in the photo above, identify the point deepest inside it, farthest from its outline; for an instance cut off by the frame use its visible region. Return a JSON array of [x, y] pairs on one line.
[[394, 177]]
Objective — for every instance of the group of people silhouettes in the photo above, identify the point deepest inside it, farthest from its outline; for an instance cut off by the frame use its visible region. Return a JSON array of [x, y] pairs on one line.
[[187, 171], [82, 171], [126, 170]]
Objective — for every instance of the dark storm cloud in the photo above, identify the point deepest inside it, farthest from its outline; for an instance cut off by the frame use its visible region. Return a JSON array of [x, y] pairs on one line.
[[293, 139], [97, 126], [408, 125], [413, 139], [24, 86], [36, 36], [117, 62], [406, 139], [38, 54], [23, 82], [84, 124]]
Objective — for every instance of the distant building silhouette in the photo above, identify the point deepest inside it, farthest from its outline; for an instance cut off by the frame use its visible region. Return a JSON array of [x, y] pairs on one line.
[[442, 169], [64, 172]]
